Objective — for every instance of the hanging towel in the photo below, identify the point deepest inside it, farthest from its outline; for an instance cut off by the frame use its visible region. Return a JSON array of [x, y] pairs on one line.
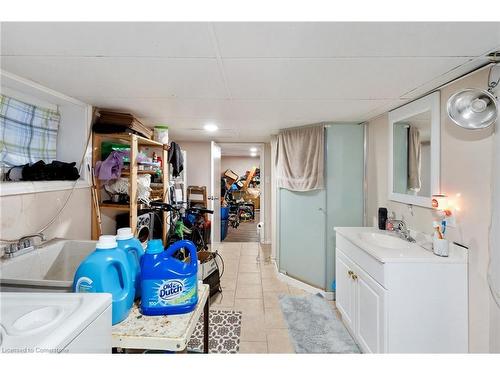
[[300, 157], [175, 159], [414, 160]]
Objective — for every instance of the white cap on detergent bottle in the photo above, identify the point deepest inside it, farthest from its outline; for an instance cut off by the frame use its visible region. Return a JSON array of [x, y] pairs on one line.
[[106, 242], [124, 234], [154, 247]]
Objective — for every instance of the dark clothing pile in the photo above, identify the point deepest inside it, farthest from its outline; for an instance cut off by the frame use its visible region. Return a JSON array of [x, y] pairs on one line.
[[40, 171]]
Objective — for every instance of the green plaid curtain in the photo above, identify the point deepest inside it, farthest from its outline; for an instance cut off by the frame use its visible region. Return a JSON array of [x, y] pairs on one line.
[[28, 133]]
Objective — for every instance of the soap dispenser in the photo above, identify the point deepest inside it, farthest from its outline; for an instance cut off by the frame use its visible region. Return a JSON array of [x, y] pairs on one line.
[[389, 225]]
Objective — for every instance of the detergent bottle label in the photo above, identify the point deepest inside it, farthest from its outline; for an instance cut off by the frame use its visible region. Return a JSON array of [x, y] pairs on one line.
[[171, 292], [84, 285]]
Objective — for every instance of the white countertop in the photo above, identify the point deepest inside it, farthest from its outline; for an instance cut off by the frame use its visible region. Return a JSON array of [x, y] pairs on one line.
[[162, 332], [412, 252]]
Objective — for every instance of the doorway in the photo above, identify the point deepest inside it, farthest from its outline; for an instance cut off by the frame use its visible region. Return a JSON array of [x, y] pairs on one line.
[[242, 192]]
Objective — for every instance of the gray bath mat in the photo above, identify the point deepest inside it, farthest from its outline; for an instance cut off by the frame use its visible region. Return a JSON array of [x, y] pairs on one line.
[[314, 327]]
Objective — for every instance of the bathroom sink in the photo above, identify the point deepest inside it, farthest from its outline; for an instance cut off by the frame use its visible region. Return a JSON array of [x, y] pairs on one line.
[[384, 240]]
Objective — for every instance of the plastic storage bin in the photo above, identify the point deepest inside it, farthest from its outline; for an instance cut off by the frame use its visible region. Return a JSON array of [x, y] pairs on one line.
[[160, 134], [223, 229], [224, 213]]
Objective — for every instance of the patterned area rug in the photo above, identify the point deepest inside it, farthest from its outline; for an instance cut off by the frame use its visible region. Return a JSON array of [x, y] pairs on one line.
[[225, 331]]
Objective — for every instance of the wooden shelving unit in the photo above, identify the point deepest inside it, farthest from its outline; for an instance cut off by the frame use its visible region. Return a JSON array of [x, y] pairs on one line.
[[135, 142]]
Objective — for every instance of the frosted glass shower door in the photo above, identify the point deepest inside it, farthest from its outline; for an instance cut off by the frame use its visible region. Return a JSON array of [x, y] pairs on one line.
[[302, 221], [344, 181], [306, 219]]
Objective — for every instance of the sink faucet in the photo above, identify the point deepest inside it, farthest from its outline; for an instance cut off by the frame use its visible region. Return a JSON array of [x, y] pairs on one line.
[[39, 235], [401, 228], [24, 245]]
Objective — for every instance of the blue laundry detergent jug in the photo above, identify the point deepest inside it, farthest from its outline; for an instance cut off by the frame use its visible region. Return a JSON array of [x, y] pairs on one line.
[[169, 286], [133, 247], [107, 270]]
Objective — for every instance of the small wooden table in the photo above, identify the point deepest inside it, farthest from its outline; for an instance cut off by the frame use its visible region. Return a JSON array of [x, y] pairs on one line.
[[163, 332]]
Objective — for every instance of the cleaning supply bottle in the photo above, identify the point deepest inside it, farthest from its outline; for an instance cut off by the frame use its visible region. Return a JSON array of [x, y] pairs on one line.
[[107, 270], [133, 247], [169, 286]]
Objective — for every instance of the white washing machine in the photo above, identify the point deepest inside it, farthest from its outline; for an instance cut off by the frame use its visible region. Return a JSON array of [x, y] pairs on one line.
[[55, 323]]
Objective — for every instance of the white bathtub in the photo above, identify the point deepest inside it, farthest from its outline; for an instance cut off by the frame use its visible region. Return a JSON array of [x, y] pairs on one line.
[[49, 268]]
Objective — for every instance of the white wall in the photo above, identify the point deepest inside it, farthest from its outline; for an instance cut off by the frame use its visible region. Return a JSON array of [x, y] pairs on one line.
[[466, 166], [239, 164], [26, 213], [198, 163]]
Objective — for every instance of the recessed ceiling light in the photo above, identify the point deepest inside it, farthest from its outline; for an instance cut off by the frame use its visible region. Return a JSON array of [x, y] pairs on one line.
[[210, 127], [253, 154], [253, 149]]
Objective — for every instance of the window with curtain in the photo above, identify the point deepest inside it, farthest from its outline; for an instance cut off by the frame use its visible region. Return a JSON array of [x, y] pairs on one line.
[[28, 133]]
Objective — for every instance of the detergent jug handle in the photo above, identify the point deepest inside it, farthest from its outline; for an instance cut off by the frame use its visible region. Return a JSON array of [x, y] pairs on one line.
[[127, 279], [187, 245]]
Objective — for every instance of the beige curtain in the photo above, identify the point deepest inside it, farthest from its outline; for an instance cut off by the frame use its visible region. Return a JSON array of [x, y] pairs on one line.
[[414, 160], [300, 158]]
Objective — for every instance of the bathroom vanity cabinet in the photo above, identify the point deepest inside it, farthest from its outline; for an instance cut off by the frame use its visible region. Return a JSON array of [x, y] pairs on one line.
[[397, 297]]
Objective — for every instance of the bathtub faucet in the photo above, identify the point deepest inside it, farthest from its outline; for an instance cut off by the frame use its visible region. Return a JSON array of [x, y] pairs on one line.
[[24, 245]]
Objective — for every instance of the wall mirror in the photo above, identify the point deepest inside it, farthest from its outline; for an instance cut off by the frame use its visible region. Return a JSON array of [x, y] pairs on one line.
[[414, 151]]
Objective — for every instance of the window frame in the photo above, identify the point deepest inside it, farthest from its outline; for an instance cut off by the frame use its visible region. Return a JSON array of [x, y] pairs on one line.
[[75, 123]]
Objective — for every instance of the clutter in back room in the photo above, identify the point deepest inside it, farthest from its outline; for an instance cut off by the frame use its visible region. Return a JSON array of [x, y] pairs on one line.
[[240, 204]]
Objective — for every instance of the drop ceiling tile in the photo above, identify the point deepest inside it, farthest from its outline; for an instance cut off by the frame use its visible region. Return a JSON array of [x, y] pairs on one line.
[[166, 39], [390, 105], [332, 78], [461, 70], [241, 110], [122, 77], [351, 39]]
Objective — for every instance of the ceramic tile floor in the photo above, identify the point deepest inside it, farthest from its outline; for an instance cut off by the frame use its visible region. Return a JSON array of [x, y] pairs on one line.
[[250, 285]]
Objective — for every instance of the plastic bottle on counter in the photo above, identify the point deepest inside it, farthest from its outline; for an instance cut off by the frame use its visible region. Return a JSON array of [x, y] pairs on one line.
[[133, 248], [107, 270]]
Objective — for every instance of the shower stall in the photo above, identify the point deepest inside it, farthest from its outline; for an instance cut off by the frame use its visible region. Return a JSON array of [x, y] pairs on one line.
[[305, 248]]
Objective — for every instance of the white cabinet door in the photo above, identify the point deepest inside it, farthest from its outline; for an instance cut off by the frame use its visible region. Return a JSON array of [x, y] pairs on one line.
[[370, 313], [345, 290]]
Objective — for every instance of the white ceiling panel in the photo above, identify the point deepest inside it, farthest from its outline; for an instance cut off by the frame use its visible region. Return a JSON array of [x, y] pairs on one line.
[[251, 79], [337, 39], [447, 77], [122, 77], [162, 39], [383, 109], [257, 110], [239, 149], [247, 130], [332, 78]]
